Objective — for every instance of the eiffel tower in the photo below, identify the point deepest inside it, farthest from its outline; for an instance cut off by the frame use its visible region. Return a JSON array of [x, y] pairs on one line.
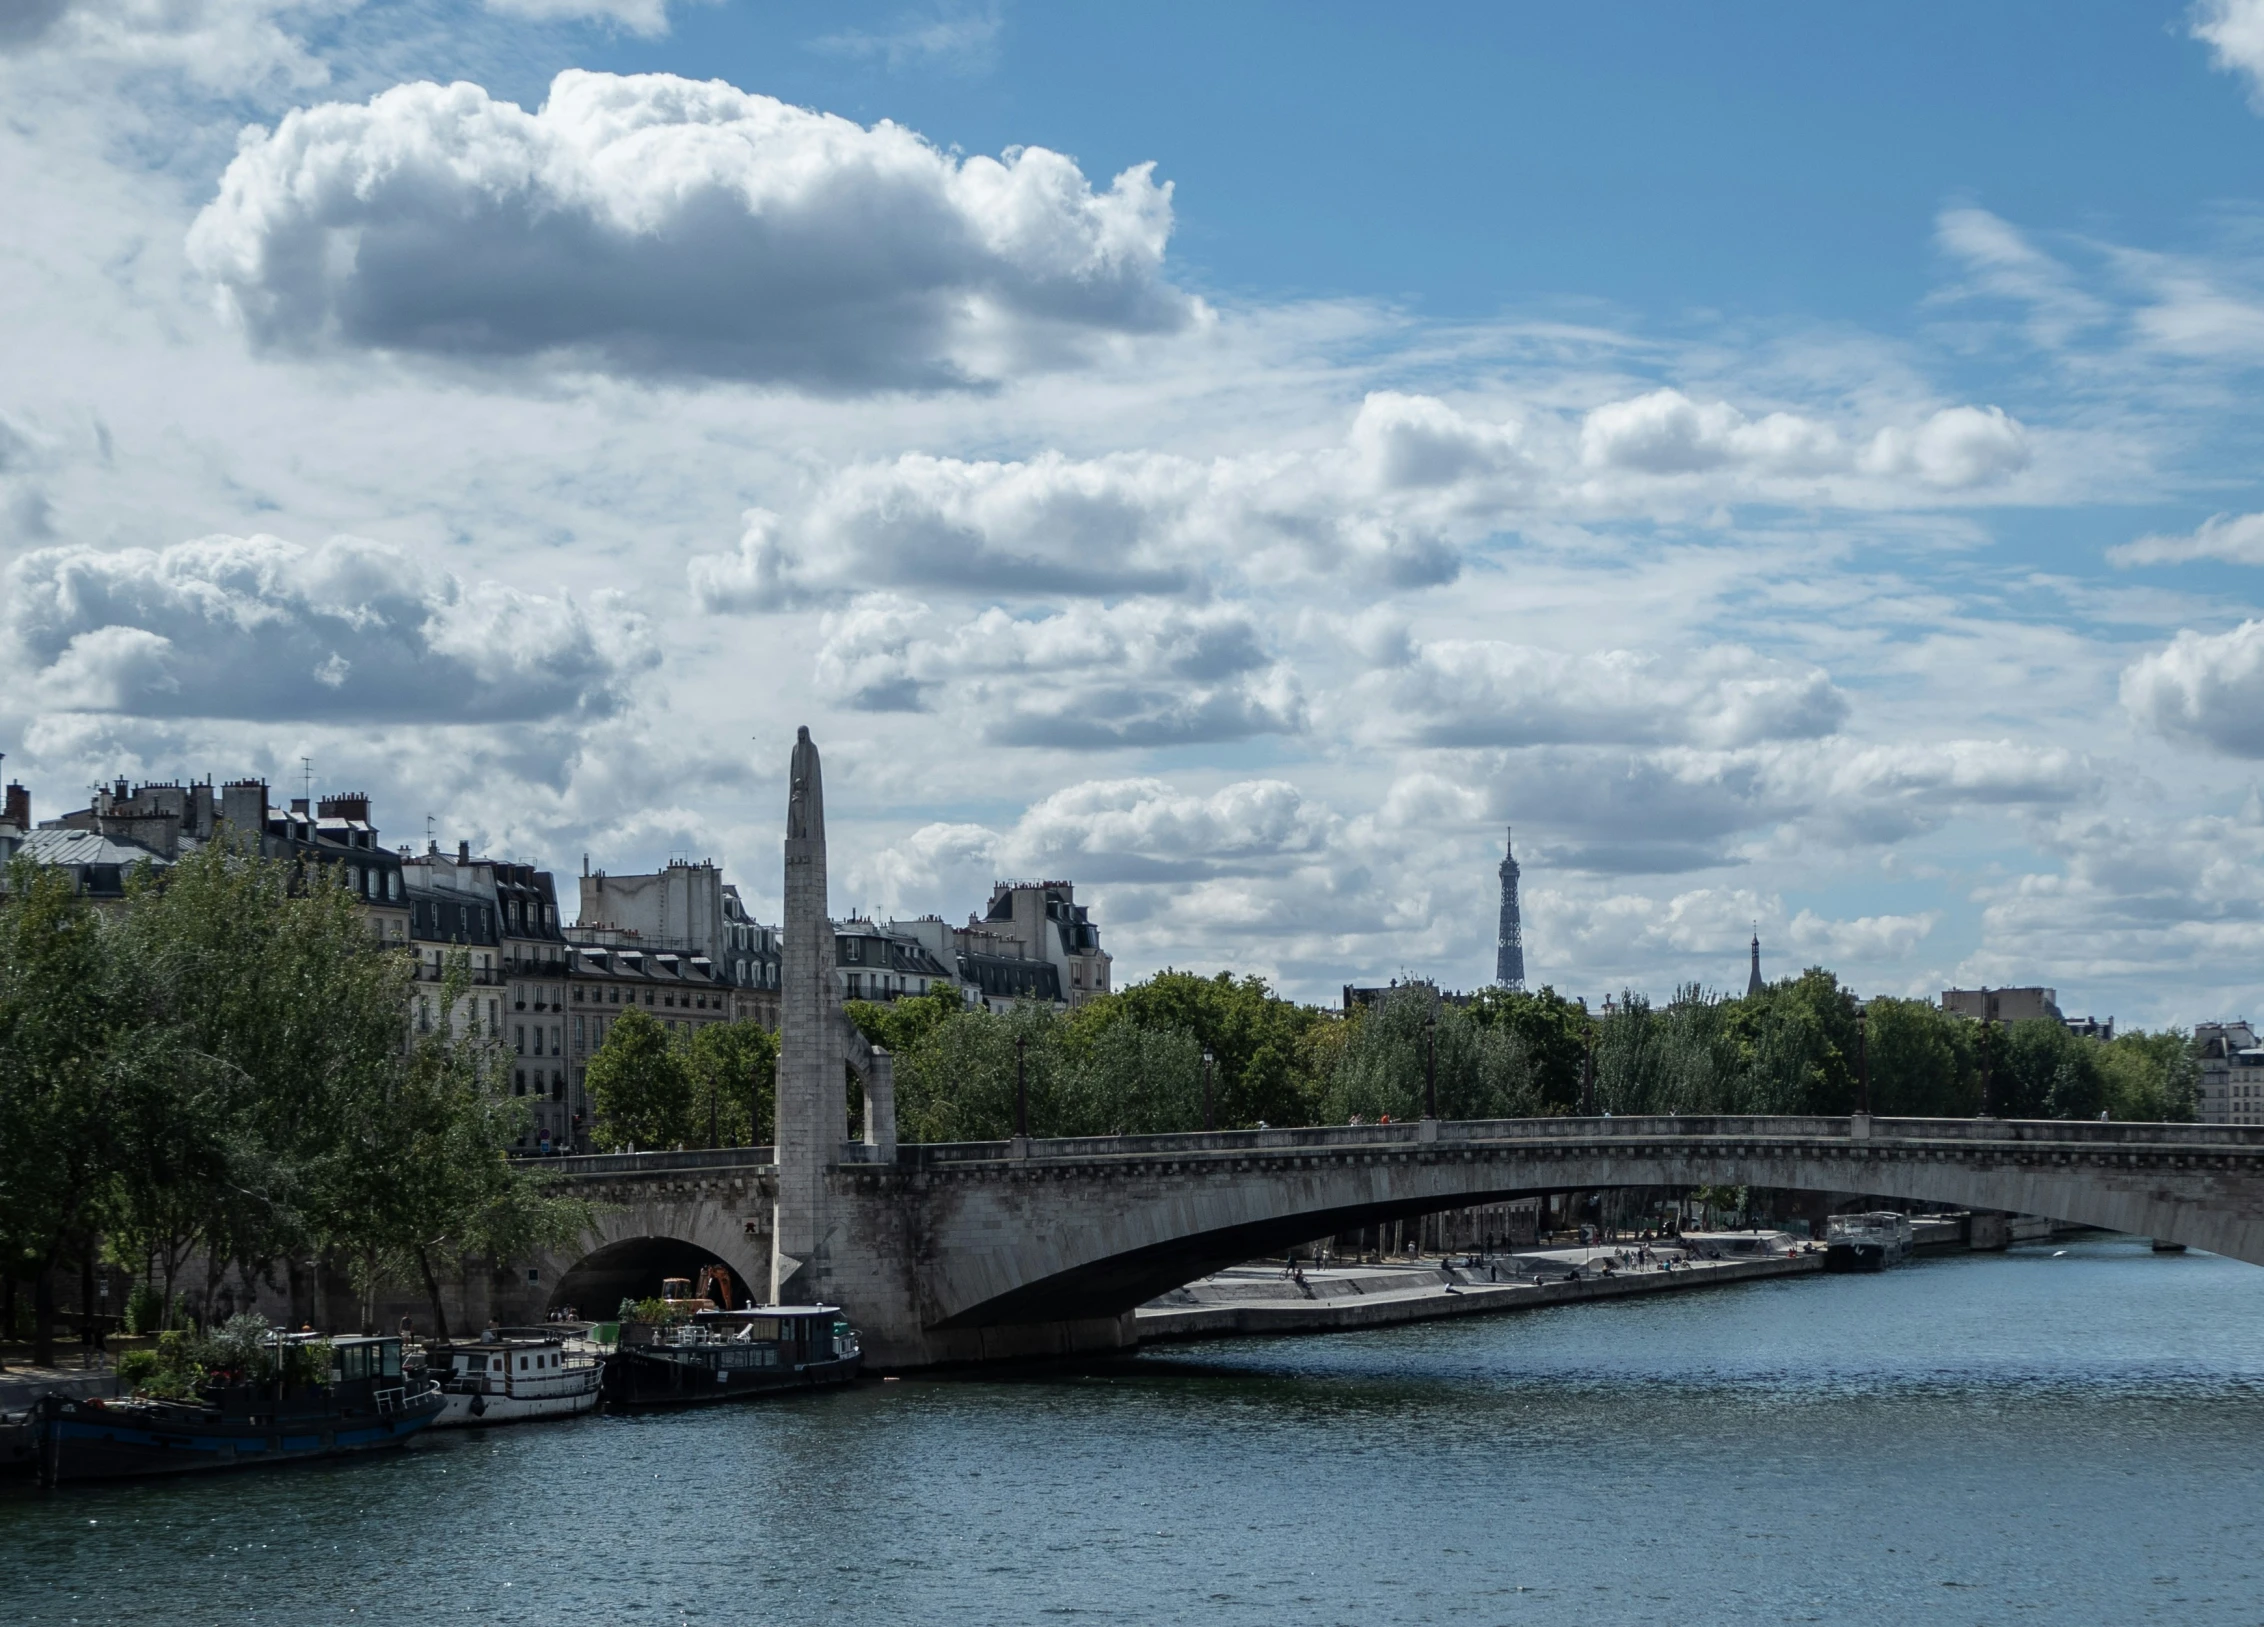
[[1509, 945]]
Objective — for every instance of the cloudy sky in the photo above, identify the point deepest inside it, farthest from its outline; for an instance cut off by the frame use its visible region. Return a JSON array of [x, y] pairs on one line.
[[1798, 466]]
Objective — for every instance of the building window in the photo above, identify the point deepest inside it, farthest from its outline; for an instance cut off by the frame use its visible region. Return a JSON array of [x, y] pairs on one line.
[[854, 981], [519, 1041], [648, 997], [519, 1083], [495, 1018]]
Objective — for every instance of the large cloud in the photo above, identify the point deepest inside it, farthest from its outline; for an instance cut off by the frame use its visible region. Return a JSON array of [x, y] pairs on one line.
[[1087, 678], [661, 226], [256, 627], [2207, 687]]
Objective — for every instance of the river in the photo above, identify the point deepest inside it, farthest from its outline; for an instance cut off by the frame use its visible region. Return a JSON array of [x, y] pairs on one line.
[[2062, 1435]]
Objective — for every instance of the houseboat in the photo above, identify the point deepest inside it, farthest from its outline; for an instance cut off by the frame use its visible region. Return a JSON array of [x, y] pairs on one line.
[[505, 1379], [1867, 1242], [720, 1355], [366, 1405]]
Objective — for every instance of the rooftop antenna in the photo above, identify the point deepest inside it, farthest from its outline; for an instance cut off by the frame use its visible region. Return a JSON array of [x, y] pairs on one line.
[[306, 773]]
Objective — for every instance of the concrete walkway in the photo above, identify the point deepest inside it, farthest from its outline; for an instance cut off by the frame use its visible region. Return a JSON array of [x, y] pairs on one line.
[[20, 1386], [1259, 1300]]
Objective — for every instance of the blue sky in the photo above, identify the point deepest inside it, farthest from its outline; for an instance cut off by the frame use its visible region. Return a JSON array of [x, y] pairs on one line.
[[1797, 464]]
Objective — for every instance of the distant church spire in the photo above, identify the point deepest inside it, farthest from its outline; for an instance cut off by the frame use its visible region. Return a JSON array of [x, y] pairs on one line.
[[1509, 944], [1753, 983]]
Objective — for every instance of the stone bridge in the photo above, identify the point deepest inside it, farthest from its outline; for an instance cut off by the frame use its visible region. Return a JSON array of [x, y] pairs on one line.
[[990, 1249]]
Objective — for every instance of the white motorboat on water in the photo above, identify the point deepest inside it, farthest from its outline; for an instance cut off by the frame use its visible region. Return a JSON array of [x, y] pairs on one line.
[[509, 1377]]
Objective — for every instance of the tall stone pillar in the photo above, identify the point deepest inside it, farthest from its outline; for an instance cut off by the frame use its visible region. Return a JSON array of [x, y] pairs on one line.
[[813, 1104]]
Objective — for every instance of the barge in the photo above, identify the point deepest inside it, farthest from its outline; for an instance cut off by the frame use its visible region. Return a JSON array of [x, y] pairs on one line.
[[368, 1404], [506, 1380], [719, 1355]]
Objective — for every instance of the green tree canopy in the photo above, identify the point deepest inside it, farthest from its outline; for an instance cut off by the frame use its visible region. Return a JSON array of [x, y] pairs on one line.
[[641, 1087], [734, 1072]]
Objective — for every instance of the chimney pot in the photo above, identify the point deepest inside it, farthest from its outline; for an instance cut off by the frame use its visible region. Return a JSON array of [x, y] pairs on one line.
[[463, 853]]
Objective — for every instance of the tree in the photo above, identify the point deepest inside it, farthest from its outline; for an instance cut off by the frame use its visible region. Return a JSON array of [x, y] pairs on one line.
[[2151, 1077], [734, 1070], [2047, 1073], [640, 1086], [1555, 1033], [1257, 1040], [1796, 1041], [1923, 1060], [60, 1005], [1129, 1079], [1483, 1069]]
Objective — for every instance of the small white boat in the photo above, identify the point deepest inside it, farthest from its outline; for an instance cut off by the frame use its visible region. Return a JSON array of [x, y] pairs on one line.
[[509, 1378]]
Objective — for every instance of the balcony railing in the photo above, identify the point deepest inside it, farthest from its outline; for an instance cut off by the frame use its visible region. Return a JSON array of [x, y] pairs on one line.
[[427, 972]]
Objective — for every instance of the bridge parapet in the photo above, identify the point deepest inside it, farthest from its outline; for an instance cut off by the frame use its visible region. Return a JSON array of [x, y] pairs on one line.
[[2069, 1135]]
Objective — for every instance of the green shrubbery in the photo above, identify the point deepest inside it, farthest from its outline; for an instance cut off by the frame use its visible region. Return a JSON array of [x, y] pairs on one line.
[[244, 1348]]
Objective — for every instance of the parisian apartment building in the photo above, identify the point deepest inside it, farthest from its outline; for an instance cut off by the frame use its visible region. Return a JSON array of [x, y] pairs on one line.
[[541, 990]]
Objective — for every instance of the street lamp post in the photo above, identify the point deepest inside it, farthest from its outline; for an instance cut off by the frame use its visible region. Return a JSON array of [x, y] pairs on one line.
[[1588, 1077], [1207, 1088], [1431, 1066], [1021, 1087]]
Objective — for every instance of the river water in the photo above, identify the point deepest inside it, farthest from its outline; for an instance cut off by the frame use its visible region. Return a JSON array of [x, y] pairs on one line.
[[2059, 1435]]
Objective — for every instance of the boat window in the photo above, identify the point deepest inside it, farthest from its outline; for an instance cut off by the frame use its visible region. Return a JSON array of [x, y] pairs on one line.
[[389, 1358], [762, 1327]]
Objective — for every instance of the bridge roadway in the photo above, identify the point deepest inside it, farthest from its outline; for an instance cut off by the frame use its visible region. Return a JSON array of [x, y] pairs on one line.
[[971, 1251]]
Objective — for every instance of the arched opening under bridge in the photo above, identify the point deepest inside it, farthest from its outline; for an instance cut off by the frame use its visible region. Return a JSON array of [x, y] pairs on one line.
[[634, 1268]]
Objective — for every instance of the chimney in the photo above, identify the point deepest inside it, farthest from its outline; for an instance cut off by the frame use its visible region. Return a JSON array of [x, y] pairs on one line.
[[463, 853], [18, 809], [346, 805], [243, 803], [299, 806]]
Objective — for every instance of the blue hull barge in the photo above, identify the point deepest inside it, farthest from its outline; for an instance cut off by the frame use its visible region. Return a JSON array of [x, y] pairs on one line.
[[366, 1406]]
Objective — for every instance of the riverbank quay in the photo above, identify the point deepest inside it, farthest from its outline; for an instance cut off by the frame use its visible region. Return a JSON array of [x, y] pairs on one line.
[[1255, 1300], [20, 1387]]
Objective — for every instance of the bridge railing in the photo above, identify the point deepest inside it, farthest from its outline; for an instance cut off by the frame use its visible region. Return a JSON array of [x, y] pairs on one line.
[[640, 1163], [1458, 1132], [1638, 1127]]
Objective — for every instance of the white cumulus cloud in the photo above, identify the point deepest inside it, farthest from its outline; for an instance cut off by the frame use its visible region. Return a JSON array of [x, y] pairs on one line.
[[257, 627], [2206, 687], [654, 225]]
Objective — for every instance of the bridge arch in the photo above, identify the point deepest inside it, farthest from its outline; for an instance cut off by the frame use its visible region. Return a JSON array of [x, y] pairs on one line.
[[1068, 1236], [629, 1249]]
